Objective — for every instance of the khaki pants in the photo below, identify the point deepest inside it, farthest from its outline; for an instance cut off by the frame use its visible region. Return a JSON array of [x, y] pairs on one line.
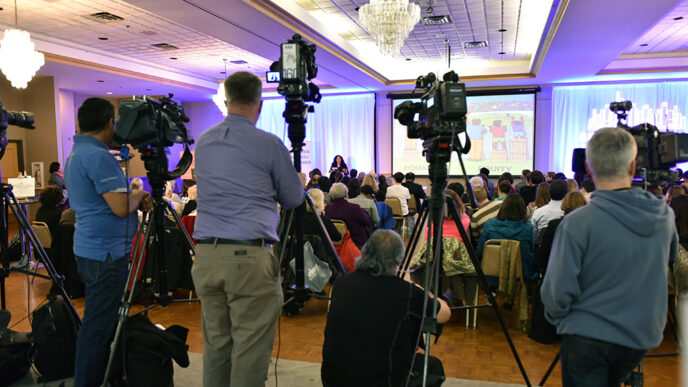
[[241, 298]]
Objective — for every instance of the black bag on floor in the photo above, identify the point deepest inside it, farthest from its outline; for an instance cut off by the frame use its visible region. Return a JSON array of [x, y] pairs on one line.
[[15, 352], [55, 329], [148, 353]]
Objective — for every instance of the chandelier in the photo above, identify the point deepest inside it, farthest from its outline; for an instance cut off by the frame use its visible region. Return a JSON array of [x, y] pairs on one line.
[[389, 22], [220, 97], [19, 59]]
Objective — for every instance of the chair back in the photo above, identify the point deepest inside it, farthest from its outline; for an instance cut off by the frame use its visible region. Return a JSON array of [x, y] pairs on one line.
[[341, 227], [395, 204], [43, 233], [502, 259], [412, 205]]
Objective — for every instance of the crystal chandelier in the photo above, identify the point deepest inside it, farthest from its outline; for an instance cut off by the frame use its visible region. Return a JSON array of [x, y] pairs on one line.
[[220, 97], [389, 22], [19, 59]]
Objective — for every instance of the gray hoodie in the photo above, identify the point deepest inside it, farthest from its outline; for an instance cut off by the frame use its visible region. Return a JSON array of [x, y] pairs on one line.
[[607, 272]]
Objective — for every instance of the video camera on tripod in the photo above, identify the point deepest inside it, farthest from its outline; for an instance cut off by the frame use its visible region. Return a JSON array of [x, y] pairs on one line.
[[20, 119], [657, 151]]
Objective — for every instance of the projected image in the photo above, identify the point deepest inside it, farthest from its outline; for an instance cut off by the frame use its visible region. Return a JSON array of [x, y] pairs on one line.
[[501, 131]]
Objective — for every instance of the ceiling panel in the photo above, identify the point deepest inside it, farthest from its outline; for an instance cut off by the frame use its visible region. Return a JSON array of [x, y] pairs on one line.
[[668, 34], [68, 20]]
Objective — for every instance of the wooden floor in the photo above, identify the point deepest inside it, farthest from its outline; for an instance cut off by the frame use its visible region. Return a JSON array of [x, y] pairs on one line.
[[480, 354]]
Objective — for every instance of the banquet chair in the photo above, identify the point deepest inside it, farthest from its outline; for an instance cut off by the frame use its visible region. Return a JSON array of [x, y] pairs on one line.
[[395, 204], [341, 227]]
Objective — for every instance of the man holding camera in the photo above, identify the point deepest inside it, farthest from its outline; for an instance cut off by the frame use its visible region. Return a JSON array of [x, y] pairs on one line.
[[606, 284], [105, 224], [242, 173]]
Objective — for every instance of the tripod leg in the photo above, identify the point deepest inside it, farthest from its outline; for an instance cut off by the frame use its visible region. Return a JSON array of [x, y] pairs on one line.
[[550, 369], [413, 241], [178, 222], [336, 263]]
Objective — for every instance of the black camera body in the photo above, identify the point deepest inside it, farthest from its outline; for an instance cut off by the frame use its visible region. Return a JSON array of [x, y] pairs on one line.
[[21, 119], [441, 114], [297, 67]]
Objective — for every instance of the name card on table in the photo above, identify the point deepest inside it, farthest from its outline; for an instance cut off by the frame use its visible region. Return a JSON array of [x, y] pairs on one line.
[[23, 187]]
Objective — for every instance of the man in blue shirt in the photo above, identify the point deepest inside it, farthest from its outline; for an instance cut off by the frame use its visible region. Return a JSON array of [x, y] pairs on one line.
[[105, 224], [242, 173]]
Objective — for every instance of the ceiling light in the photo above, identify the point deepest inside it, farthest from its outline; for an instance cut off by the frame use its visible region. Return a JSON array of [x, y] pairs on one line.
[[389, 22], [476, 44], [173, 58], [102, 38], [502, 30], [437, 20], [220, 96], [108, 93], [19, 59], [149, 89], [100, 80], [165, 46], [643, 45], [501, 53], [237, 62], [678, 18]]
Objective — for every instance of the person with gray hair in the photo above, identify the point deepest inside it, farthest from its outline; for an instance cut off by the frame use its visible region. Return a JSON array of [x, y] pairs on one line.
[[374, 320], [242, 174], [605, 287], [357, 220]]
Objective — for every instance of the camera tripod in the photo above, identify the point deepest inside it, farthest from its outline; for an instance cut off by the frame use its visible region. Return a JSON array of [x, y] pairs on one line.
[[151, 230], [9, 201], [290, 228], [438, 154]]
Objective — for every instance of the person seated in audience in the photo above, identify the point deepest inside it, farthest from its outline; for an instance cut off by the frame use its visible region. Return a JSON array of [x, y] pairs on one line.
[[357, 221], [524, 180], [383, 209], [489, 184], [674, 191], [559, 176], [550, 176], [372, 343], [461, 191], [402, 193], [414, 189], [680, 266], [325, 184], [314, 177], [587, 188], [338, 164], [572, 185], [361, 176], [370, 181], [552, 210], [353, 174], [368, 205], [382, 183], [510, 223], [304, 180], [486, 211], [136, 183], [506, 176], [503, 188], [50, 198], [190, 206], [541, 330], [528, 192], [542, 198], [310, 221], [345, 179]]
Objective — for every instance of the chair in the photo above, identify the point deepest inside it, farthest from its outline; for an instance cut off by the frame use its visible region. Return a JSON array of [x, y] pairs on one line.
[[412, 207], [395, 204], [502, 259], [43, 233], [341, 227]]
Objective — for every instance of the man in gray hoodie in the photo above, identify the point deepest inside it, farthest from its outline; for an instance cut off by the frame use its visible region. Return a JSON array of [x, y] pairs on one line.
[[606, 284]]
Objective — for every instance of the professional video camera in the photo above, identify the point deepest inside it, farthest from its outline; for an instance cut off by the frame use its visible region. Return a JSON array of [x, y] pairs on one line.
[[297, 67], [441, 114], [21, 119], [149, 126], [657, 151]]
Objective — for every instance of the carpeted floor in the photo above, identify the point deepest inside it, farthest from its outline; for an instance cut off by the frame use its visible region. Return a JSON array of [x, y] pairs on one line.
[[290, 373]]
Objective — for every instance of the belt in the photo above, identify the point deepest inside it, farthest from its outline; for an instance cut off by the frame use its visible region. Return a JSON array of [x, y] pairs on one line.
[[247, 242]]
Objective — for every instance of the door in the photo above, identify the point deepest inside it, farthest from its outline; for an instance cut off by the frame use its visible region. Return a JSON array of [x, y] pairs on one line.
[[9, 164]]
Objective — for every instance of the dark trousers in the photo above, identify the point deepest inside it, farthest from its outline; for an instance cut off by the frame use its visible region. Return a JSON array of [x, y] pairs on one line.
[[590, 362], [105, 281]]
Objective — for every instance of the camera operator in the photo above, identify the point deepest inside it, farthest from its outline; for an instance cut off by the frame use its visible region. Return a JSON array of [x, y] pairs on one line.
[[605, 288], [373, 321], [105, 224], [242, 173]]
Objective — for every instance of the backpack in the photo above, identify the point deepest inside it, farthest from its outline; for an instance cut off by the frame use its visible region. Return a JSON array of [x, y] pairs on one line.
[[15, 352], [55, 328]]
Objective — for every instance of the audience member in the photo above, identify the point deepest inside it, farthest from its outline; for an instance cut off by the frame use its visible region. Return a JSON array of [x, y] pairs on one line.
[[680, 266], [559, 176], [56, 176], [503, 188], [400, 192], [605, 288], [524, 182], [373, 342], [310, 220], [506, 176], [414, 189], [588, 187], [552, 210], [510, 223], [382, 183], [136, 184], [354, 187], [542, 198], [353, 174], [550, 176], [50, 198], [674, 191], [367, 204], [486, 211], [338, 164], [191, 205], [489, 184], [572, 185], [314, 177], [370, 181], [528, 192], [324, 184], [458, 188], [383, 209], [357, 221], [302, 177], [361, 176]]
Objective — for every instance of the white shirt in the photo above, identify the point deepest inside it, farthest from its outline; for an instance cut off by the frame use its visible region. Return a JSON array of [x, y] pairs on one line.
[[402, 193], [543, 215]]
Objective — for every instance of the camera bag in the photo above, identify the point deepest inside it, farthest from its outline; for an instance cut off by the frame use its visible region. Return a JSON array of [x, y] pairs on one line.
[[55, 329], [15, 352]]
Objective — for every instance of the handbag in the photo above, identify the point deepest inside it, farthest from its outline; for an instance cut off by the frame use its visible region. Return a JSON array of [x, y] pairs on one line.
[[317, 272]]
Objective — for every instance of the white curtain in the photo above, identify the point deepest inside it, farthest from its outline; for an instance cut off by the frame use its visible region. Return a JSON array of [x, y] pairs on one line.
[[341, 125], [578, 111]]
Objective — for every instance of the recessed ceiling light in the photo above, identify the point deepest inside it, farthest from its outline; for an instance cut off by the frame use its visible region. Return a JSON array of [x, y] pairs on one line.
[[238, 62], [502, 53], [408, 59], [173, 57], [476, 44], [1, 8], [102, 38], [223, 72], [100, 80], [149, 89], [678, 18], [109, 92], [502, 30], [643, 45]]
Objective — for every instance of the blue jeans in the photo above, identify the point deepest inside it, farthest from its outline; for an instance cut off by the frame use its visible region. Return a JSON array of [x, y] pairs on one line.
[[105, 281], [589, 362]]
